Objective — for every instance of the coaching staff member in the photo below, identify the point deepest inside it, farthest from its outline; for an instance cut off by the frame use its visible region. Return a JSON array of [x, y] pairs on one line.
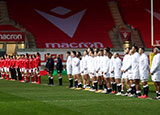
[[59, 68], [50, 68]]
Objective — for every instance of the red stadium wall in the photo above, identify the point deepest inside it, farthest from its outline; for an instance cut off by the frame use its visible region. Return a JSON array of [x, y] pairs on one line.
[[92, 30], [54, 30]]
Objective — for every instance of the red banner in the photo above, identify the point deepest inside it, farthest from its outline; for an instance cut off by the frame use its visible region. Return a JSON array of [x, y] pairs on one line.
[[12, 36], [125, 34]]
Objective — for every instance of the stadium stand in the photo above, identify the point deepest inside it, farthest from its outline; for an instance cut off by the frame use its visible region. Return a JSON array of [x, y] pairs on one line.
[[106, 22]]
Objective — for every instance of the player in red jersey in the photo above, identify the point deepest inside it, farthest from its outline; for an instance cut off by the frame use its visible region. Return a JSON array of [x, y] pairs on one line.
[[37, 68], [2, 68], [26, 66], [22, 67], [7, 67], [17, 67], [31, 66]]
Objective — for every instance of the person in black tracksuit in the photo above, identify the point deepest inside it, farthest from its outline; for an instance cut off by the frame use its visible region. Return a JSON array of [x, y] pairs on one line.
[[50, 68], [59, 68]]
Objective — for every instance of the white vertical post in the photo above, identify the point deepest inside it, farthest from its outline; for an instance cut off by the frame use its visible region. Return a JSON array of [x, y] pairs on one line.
[[152, 26]]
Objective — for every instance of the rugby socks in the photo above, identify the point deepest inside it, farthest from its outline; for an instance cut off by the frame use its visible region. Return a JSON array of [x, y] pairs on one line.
[[100, 87], [95, 84], [32, 78], [60, 81], [71, 82], [119, 87], [158, 93], [105, 86], [114, 86], [133, 87], [80, 85], [146, 89], [109, 90], [7, 77], [3, 76], [51, 81], [138, 93], [76, 82], [27, 78], [35, 78], [129, 91], [38, 79]]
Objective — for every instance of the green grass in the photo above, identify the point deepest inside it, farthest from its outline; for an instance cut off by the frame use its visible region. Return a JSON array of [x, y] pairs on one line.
[[31, 99]]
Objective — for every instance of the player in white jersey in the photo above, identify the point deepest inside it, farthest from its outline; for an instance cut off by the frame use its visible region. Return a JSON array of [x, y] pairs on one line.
[[74, 68], [99, 71], [106, 75], [79, 57], [86, 78], [135, 70], [112, 75], [117, 64], [144, 72], [69, 68], [91, 70], [124, 70], [155, 71]]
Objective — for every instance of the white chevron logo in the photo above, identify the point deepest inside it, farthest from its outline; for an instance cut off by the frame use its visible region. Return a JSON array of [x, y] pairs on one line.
[[155, 14], [68, 25]]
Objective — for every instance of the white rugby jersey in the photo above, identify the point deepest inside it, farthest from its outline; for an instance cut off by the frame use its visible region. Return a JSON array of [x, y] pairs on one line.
[[75, 65], [135, 64], [144, 65], [69, 62], [106, 65], [155, 68], [117, 64]]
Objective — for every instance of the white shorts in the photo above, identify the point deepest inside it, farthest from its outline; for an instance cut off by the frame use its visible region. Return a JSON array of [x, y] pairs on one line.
[[130, 77], [125, 75], [156, 77], [22, 69], [85, 72], [30, 70], [112, 75], [26, 71], [6, 69], [69, 71], [107, 75], [136, 75], [91, 76]]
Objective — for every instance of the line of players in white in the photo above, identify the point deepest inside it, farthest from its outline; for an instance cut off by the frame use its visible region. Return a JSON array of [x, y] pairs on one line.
[[103, 72]]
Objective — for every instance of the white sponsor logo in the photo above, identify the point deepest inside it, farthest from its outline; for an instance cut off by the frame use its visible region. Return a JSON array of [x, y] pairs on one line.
[[10, 36], [68, 25], [125, 34], [156, 15], [75, 45]]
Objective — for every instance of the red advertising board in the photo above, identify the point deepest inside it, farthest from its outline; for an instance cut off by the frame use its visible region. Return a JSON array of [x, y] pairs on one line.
[[12, 36]]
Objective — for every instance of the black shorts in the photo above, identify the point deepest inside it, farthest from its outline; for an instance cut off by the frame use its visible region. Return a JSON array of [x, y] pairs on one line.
[[59, 71], [50, 71]]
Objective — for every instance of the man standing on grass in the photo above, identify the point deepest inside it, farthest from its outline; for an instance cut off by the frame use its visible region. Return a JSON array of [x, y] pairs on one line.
[[69, 68], [135, 72], [144, 72], [124, 70], [50, 68], [155, 71], [59, 68], [117, 64]]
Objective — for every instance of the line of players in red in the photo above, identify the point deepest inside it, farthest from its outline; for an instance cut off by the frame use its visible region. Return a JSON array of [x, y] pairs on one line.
[[21, 67]]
